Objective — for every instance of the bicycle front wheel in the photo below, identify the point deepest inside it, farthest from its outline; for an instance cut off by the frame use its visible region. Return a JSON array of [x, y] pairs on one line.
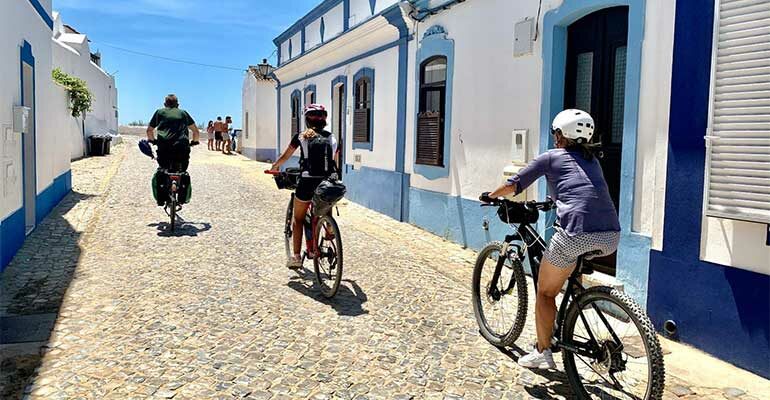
[[626, 360], [499, 295], [328, 258], [287, 228]]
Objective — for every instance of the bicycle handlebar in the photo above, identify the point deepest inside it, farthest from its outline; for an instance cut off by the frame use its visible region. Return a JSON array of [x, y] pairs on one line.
[[301, 175], [546, 205]]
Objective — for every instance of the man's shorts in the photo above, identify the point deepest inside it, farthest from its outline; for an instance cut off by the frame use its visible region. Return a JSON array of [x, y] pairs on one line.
[[564, 250], [218, 136]]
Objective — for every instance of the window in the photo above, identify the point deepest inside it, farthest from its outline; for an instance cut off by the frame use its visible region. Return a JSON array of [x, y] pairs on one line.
[[364, 106], [246, 125], [432, 111], [296, 112], [738, 147]]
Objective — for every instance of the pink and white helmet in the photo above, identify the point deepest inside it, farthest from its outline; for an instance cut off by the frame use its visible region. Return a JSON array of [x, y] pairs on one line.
[[315, 110]]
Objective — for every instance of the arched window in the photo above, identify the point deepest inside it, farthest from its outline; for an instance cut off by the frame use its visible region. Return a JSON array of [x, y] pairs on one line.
[[296, 112], [432, 111], [363, 107]]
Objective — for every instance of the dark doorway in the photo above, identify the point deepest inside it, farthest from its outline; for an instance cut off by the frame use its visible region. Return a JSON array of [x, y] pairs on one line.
[[29, 152], [595, 82], [339, 123]]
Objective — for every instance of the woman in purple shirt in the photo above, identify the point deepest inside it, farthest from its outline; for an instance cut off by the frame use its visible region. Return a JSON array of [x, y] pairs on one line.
[[587, 220]]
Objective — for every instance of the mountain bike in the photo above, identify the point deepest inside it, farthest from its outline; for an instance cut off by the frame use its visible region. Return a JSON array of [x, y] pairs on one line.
[[610, 349], [177, 179], [323, 241]]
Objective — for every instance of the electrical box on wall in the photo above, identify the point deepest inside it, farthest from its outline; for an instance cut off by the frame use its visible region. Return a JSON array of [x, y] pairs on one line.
[[518, 160], [21, 119], [522, 37]]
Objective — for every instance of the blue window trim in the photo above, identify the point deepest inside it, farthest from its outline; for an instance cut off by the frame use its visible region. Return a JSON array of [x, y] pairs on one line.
[[290, 50], [322, 29], [372, 4], [634, 251], [42, 12], [435, 43], [302, 38], [366, 72], [310, 89], [341, 80], [26, 57]]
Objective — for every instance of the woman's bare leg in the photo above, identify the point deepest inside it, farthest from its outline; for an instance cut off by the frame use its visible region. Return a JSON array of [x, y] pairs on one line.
[[549, 283], [300, 209]]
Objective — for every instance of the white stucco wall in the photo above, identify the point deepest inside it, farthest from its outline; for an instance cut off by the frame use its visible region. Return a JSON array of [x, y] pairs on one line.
[[296, 44], [383, 4], [19, 22], [72, 54], [284, 51], [313, 34], [360, 11], [259, 101], [333, 22]]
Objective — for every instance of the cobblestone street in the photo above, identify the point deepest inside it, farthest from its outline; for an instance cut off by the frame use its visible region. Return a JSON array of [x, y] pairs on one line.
[[211, 311]]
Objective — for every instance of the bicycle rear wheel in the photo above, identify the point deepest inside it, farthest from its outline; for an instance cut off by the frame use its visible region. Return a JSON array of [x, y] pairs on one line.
[[328, 258], [172, 212], [627, 361], [287, 228], [500, 307]]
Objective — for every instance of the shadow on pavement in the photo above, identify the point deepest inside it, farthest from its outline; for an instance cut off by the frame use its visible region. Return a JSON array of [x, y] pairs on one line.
[[557, 385], [183, 228], [31, 294], [348, 301]]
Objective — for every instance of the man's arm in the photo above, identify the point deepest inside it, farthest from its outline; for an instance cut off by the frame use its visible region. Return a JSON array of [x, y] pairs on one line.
[[196, 132], [150, 133]]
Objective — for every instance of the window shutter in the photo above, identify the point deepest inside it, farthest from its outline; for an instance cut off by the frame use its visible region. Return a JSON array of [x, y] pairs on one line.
[[294, 125], [738, 145], [361, 125], [429, 146]]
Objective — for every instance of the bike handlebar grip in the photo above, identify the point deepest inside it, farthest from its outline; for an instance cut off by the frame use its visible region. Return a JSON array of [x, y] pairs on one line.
[[271, 172]]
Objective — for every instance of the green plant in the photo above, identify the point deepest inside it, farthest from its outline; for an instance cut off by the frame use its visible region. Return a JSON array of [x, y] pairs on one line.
[[137, 123], [80, 96]]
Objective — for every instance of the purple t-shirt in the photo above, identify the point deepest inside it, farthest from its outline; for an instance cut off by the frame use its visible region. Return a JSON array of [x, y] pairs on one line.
[[577, 185]]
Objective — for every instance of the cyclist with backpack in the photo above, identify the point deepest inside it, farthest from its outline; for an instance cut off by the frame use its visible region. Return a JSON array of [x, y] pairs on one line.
[[319, 152], [587, 220]]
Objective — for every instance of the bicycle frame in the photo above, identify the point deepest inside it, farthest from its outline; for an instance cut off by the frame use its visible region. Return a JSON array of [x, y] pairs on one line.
[[533, 247]]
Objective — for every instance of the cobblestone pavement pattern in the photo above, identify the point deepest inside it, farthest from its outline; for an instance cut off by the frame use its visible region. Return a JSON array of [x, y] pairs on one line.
[[211, 312]]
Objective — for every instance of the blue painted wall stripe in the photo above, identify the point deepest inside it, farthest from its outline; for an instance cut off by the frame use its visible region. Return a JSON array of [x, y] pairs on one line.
[[42, 12]]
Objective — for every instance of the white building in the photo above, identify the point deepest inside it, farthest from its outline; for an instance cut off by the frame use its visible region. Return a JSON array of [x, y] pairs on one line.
[[258, 140], [38, 135], [433, 99], [73, 55]]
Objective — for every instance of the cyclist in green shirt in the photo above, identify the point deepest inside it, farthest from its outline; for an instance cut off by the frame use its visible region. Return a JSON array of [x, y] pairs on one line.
[[173, 126]]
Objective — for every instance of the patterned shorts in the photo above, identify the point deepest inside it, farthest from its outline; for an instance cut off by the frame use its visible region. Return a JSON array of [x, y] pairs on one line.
[[564, 250]]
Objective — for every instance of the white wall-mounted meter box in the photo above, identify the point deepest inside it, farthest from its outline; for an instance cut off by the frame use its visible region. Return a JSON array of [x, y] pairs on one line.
[[21, 119], [522, 37], [519, 146]]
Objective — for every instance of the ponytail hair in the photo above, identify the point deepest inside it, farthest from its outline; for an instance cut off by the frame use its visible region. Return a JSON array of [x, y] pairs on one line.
[[586, 149], [309, 133]]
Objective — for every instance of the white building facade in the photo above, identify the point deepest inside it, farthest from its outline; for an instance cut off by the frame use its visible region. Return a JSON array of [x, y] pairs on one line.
[[38, 135], [259, 117], [72, 54], [434, 99]]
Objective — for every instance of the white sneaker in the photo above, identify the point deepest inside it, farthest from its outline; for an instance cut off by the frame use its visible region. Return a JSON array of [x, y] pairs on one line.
[[294, 262], [539, 360]]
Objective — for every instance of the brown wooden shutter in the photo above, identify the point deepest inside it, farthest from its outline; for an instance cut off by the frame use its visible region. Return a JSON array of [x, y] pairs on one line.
[[361, 125], [429, 143], [294, 125]]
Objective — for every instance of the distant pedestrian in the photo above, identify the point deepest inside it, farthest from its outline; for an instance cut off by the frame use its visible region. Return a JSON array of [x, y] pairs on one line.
[[231, 132], [226, 135], [210, 132], [218, 128]]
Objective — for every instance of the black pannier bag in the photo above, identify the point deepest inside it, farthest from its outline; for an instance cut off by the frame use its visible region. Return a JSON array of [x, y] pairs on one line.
[[517, 213], [289, 179], [326, 195]]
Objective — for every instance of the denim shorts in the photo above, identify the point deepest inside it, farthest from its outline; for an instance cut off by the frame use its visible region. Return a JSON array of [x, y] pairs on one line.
[[564, 250]]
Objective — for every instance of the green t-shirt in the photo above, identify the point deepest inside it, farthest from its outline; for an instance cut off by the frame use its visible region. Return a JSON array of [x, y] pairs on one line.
[[171, 124]]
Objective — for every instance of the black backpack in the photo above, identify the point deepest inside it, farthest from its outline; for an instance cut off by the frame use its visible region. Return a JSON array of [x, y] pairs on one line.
[[320, 160]]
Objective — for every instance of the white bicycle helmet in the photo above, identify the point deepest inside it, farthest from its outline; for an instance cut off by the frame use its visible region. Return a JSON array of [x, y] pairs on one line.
[[574, 124]]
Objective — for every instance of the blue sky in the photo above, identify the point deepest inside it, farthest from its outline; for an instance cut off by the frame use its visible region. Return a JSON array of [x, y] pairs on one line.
[[234, 33]]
